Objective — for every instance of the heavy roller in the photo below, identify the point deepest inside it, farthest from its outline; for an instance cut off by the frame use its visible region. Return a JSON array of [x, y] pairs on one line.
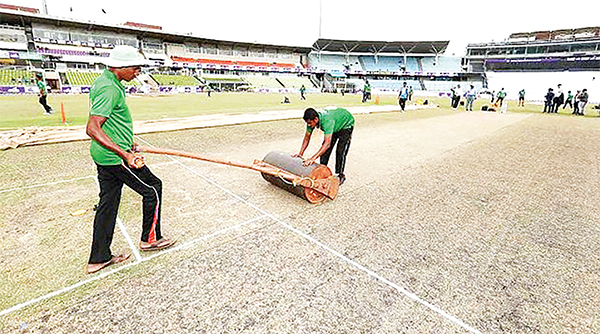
[[314, 183]]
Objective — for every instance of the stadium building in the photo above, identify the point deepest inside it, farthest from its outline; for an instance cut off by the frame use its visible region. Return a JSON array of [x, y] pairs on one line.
[[70, 53], [340, 64], [536, 61]]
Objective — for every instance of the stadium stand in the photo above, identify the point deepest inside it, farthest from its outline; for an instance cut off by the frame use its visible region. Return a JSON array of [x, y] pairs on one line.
[[295, 82], [328, 62], [71, 52], [224, 81], [67, 48], [232, 62], [16, 77], [393, 85], [12, 38], [76, 78], [441, 65], [381, 64], [262, 81], [175, 80], [538, 60]]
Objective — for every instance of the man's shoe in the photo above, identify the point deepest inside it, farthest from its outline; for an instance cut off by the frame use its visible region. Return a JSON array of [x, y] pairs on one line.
[[94, 267], [342, 178], [163, 243]]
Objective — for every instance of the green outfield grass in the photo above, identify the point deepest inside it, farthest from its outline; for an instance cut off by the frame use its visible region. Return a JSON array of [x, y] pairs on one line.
[[23, 111]]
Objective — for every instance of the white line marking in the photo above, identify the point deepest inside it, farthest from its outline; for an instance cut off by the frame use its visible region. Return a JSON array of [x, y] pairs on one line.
[[72, 180], [116, 270], [353, 263], [46, 184], [134, 249]]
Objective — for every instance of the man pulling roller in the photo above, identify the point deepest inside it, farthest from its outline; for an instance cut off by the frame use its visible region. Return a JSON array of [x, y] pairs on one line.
[[110, 127], [337, 125]]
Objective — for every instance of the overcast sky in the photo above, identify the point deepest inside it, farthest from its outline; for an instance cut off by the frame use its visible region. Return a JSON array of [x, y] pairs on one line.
[[296, 23]]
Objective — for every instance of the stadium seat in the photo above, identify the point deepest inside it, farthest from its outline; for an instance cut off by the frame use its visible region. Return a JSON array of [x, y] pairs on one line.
[[175, 80], [13, 77]]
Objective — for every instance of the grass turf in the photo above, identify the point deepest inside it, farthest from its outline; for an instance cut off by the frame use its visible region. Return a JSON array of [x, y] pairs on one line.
[[23, 111]]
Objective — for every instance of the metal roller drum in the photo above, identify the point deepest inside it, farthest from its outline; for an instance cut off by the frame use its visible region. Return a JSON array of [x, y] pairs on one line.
[[285, 161]]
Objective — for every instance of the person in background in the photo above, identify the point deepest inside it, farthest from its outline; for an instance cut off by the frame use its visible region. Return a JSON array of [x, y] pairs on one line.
[[366, 91], [302, 91], [43, 94], [456, 93], [403, 96], [521, 102], [576, 103], [583, 100], [500, 97], [337, 125], [470, 95], [569, 100], [559, 99], [548, 102], [410, 93]]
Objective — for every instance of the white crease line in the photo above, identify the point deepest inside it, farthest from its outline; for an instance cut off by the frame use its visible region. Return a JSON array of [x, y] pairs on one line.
[[116, 270], [134, 249], [371, 273], [46, 184], [72, 180], [192, 242]]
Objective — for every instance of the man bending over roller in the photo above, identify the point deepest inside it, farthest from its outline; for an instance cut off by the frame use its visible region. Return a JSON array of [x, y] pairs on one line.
[[337, 125]]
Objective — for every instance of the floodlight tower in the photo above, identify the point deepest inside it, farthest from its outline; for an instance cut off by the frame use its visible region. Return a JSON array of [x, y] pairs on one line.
[[320, 16], [44, 7]]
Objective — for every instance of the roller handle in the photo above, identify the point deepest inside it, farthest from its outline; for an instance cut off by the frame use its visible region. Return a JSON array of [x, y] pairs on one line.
[[196, 156]]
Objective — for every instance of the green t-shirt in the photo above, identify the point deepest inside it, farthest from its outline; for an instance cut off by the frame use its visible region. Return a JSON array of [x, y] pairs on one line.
[[367, 88], [501, 94], [42, 86], [107, 99], [333, 120], [522, 93]]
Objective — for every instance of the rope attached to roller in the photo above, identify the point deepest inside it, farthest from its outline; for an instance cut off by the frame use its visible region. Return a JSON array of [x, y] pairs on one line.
[[278, 174], [297, 181]]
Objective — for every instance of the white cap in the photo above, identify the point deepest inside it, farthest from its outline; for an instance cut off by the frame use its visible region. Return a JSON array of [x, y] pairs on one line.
[[125, 56]]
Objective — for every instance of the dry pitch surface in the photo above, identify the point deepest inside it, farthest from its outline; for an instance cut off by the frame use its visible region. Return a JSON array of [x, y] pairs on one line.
[[489, 220]]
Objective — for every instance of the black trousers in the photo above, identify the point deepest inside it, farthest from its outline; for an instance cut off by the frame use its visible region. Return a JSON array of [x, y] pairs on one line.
[[342, 138], [402, 103], [44, 103], [366, 96], [455, 101], [555, 104], [111, 180]]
